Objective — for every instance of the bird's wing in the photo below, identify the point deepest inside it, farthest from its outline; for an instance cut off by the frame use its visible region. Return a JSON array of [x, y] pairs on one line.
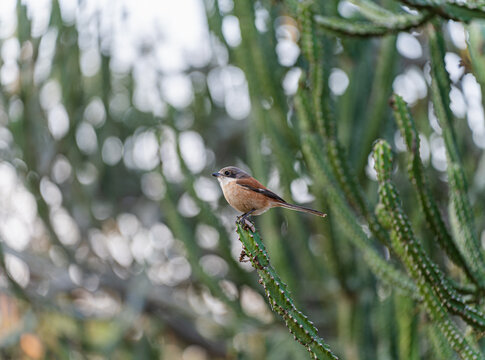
[[254, 185]]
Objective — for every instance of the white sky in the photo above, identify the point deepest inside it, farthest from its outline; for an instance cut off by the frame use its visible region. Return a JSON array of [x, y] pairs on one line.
[[179, 25]]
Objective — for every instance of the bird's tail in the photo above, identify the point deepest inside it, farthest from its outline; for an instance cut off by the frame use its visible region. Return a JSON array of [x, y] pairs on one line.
[[300, 208]]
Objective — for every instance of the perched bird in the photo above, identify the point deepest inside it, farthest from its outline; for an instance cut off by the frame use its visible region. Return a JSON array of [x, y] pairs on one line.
[[247, 195]]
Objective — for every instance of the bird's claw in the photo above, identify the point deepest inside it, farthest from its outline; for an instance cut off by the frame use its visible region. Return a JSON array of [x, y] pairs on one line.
[[245, 223]]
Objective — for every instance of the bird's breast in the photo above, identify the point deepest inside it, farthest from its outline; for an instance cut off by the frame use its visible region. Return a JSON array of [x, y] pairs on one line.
[[245, 200]]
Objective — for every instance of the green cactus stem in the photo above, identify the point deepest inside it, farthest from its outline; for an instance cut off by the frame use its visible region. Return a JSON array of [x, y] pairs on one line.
[[280, 298], [429, 280]]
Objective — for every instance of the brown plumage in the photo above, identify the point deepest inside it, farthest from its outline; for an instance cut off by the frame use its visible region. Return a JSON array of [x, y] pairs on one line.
[[247, 195]]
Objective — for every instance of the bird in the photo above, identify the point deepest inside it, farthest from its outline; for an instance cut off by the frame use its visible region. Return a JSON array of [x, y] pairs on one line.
[[247, 195]]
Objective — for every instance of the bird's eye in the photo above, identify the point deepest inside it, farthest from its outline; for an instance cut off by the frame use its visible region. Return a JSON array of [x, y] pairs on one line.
[[227, 173]]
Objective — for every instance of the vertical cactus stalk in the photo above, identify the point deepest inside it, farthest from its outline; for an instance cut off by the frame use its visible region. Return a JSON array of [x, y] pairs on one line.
[[325, 123], [407, 342], [280, 298], [475, 48], [466, 236], [440, 89], [382, 269], [377, 113], [420, 182], [320, 166], [428, 279]]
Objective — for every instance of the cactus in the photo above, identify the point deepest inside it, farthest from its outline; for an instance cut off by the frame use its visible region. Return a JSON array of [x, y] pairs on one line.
[[336, 176], [432, 284], [342, 114]]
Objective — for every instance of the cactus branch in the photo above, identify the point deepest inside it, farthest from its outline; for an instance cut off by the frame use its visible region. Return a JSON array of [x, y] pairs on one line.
[[467, 239], [420, 182], [280, 298], [451, 9], [364, 29], [383, 269], [431, 283]]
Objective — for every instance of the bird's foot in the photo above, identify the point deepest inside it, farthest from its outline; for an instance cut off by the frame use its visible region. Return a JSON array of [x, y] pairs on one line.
[[245, 223]]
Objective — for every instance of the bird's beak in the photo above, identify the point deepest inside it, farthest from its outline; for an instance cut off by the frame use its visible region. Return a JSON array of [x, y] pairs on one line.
[[216, 174]]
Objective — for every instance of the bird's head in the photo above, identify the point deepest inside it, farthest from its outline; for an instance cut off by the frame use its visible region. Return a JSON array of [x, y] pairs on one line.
[[230, 173]]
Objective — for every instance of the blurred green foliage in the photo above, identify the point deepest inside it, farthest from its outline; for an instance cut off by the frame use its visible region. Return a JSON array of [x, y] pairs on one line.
[[116, 243]]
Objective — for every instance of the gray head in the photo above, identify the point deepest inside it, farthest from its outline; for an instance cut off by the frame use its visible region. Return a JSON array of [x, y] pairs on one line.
[[231, 172]]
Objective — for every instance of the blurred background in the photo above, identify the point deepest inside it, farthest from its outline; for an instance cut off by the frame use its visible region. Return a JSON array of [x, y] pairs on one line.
[[116, 241]]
